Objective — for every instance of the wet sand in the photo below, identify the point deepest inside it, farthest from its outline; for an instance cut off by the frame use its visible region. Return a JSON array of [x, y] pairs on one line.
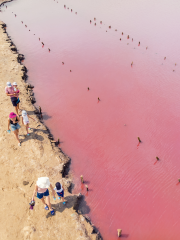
[[36, 157]]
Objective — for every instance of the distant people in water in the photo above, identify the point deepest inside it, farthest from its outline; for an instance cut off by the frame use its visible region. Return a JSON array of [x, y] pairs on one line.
[[14, 95], [41, 189], [25, 120], [13, 122]]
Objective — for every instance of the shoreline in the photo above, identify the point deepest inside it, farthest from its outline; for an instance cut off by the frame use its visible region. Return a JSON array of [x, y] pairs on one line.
[[38, 156]]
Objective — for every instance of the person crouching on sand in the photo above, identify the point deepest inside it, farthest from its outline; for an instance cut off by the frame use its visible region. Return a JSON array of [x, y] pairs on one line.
[[13, 122], [60, 192], [41, 188], [9, 90], [25, 120]]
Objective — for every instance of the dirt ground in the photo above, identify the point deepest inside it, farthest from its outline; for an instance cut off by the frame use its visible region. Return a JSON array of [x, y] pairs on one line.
[[36, 157]]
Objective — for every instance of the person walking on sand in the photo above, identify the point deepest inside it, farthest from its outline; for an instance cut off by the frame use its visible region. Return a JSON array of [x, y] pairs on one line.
[[13, 123], [25, 120], [41, 189], [9, 90], [16, 91], [60, 191]]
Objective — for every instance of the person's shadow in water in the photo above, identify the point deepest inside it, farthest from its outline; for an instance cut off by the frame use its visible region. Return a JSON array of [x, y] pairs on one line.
[[71, 201]]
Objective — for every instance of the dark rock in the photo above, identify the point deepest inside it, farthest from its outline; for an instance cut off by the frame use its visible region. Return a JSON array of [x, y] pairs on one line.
[[3, 25], [66, 167], [14, 49], [77, 202], [25, 183], [68, 186], [36, 111], [31, 93], [33, 100], [25, 76], [87, 218], [20, 58], [98, 236], [24, 69], [30, 86]]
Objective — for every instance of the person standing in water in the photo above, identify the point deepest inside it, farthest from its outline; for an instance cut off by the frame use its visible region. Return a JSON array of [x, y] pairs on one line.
[[41, 189], [13, 123], [25, 120]]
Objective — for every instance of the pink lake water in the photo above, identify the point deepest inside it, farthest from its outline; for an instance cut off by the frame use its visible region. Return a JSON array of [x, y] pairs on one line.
[[128, 188]]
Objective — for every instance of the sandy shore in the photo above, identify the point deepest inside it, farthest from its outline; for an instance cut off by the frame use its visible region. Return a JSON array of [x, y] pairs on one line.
[[37, 157]]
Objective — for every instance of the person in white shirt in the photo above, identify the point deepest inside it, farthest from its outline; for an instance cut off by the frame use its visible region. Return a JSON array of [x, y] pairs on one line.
[[60, 191], [25, 120], [42, 192]]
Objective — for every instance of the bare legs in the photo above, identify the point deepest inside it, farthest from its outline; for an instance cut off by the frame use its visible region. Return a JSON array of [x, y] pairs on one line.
[[42, 199], [16, 133], [27, 126], [62, 199], [47, 202], [16, 110], [18, 106]]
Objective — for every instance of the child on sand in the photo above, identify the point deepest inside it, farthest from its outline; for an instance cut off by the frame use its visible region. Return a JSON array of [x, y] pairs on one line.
[[60, 191], [25, 120]]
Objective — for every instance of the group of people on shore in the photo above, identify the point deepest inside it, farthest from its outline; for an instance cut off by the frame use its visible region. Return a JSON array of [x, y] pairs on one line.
[[41, 191], [12, 91], [41, 188]]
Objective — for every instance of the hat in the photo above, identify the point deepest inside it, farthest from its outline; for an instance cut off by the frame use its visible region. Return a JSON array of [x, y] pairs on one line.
[[14, 83], [43, 182], [24, 113], [9, 84], [12, 115]]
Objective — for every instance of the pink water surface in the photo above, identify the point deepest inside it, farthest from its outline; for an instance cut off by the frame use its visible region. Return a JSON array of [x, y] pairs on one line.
[[128, 189]]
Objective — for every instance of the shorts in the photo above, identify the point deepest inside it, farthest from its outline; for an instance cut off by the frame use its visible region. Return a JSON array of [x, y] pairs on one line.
[[25, 123], [60, 194], [18, 101], [41, 195], [14, 101], [15, 127]]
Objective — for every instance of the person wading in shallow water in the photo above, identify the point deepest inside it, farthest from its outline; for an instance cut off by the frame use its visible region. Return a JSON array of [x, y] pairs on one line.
[[13, 122], [41, 188]]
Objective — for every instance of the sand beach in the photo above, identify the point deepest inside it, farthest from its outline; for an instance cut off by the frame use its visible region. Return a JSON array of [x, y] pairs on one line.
[[22, 165]]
